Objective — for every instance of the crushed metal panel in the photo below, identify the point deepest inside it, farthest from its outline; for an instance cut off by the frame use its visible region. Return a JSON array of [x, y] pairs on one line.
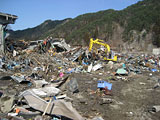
[[19, 78], [57, 107], [76, 54], [62, 44]]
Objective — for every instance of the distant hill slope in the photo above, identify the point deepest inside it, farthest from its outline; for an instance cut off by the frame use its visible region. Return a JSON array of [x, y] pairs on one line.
[[36, 32], [138, 23]]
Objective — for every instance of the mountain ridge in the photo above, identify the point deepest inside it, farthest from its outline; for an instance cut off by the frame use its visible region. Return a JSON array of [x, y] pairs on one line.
[[131, 22], [35, 33]]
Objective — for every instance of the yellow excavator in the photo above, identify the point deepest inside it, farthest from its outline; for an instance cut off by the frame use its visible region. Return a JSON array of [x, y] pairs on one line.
[[110, 56]]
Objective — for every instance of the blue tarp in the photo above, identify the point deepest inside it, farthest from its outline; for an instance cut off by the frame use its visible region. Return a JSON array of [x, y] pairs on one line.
[[153, 70], [104, 84]]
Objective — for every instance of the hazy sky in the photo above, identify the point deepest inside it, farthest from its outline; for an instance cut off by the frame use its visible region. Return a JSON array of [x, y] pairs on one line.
[[33, 12]]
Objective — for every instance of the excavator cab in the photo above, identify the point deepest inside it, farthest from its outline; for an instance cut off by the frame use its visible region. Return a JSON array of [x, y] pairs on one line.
[[110, 55]]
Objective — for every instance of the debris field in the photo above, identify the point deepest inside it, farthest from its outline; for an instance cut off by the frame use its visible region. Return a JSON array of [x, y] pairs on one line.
[[52, 80]]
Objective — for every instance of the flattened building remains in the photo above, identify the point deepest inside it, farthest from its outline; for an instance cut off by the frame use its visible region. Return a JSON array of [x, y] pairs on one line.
[[5, 19]]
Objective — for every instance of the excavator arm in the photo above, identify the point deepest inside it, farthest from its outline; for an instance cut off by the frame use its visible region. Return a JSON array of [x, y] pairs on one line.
[[101, 42]]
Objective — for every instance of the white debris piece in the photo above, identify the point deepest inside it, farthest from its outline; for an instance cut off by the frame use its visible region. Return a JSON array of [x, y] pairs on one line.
[[90, 67], [46, 91], [96, 67], [40, 83]]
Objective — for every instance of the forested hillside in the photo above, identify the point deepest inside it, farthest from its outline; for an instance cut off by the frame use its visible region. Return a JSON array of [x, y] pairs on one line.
[[36, 32], [141, 19]]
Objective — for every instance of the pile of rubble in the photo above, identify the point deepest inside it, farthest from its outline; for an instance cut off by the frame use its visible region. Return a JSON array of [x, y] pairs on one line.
[[42, 81]]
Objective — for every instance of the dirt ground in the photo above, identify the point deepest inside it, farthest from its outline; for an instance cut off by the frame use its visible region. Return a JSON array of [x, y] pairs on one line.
[[130, 100]]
